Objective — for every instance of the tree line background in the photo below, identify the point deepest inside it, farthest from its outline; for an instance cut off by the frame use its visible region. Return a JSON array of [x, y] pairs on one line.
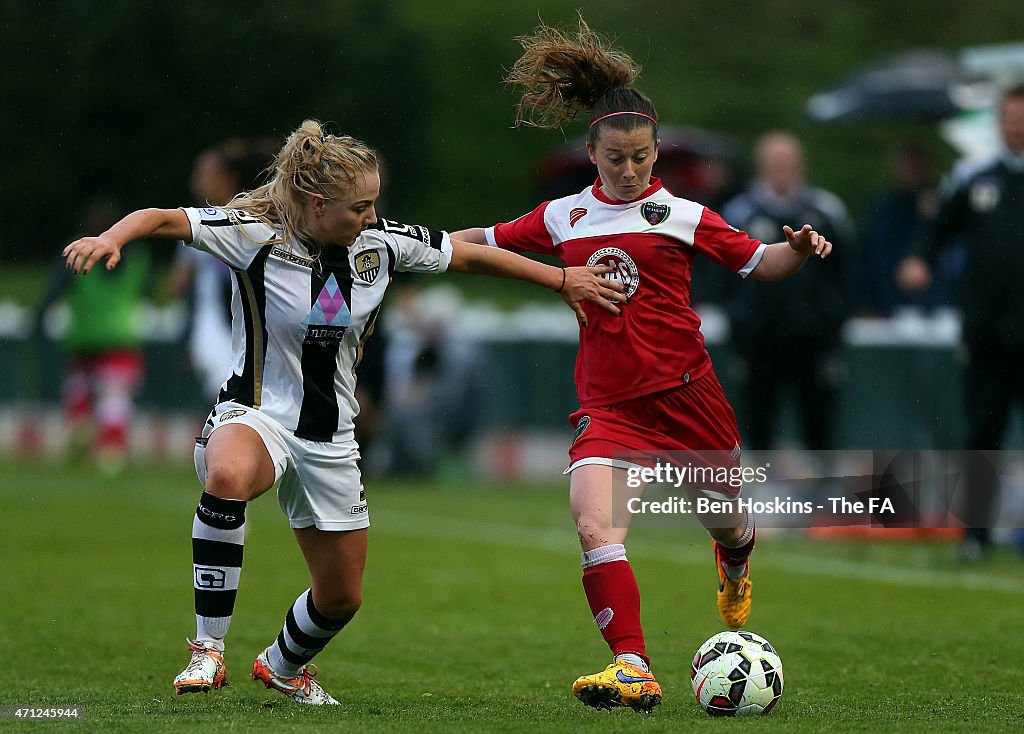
[[119, 97]]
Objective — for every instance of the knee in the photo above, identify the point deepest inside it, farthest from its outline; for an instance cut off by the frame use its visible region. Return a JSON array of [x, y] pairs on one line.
[[339, 605], [228, 481], [593, 529]]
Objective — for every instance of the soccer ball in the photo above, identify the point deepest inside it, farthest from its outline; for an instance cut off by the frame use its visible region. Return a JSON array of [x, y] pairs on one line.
[[737, 673]]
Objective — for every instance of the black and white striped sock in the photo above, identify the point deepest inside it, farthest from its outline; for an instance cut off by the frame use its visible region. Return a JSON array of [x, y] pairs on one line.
[[218, 535], [305, 633]]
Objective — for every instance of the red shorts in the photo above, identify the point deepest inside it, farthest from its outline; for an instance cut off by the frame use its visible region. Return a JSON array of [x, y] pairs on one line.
[[88, 375], [694, 420]]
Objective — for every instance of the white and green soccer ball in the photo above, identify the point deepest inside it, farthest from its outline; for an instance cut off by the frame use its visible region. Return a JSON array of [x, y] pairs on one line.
[[737, 673]]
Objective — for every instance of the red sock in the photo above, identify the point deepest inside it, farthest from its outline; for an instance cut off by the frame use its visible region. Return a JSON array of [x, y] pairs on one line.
[[615, 602]]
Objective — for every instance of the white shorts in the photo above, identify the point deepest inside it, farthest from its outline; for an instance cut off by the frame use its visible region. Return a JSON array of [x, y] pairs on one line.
[[319, 482]]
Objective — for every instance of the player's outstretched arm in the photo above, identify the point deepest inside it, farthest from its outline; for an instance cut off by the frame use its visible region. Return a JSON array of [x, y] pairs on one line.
[[83, 254], [475, 235], [782, 259], [575, 285]]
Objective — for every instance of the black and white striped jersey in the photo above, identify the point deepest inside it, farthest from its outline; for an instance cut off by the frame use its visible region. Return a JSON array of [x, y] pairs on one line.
[[299, 324]]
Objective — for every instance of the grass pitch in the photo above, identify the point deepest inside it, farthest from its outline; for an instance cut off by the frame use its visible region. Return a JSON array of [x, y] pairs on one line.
[[474, 618]]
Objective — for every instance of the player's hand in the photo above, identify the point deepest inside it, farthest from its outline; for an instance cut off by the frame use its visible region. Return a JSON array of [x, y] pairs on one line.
[[83, 254], [913, 274], [588, 284], [807, 241]]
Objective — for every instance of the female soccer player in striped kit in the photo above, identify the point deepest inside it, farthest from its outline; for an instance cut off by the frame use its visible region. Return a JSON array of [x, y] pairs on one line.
[[644, 379], [310, 262]]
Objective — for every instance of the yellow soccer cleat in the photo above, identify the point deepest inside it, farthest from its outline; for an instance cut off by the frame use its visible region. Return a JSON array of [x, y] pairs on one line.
[[734, 597], [620, 684]]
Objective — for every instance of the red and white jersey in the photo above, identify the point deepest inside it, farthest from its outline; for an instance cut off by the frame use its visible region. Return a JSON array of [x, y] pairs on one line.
[[651, 241]]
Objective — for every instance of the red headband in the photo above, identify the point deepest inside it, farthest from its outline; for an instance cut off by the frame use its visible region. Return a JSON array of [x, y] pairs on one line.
[[615, 114]]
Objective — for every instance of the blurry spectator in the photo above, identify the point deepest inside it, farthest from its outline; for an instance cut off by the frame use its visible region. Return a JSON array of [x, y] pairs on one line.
[[103, 343], [432, 377], [893, 221], [218, 174], [785, 334], [369, 423], [984, 206]]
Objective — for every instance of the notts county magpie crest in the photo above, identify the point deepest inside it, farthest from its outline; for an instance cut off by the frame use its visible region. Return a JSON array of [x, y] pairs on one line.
[[654, 213], [367, 265]]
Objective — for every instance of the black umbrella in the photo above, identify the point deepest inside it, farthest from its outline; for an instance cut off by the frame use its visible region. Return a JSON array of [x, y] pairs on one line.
[[918, 85]]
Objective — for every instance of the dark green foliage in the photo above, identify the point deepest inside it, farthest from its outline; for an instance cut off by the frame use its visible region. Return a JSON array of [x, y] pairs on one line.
[[121, 96]]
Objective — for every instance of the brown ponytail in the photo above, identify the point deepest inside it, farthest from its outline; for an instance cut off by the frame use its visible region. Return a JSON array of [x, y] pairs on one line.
[[563, 73]]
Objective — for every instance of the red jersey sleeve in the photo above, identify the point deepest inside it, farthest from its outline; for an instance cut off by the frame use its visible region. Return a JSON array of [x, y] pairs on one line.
[[528, 233], [723, 243]]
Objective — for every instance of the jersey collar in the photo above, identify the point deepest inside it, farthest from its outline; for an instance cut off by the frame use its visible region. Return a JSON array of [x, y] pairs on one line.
[[598, 194]]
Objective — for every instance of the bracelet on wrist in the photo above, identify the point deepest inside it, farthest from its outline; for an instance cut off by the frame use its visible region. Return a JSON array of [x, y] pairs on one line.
[[559, 289]]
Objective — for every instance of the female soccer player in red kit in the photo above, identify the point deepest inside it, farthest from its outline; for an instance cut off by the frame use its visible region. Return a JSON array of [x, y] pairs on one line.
[[644, 379]]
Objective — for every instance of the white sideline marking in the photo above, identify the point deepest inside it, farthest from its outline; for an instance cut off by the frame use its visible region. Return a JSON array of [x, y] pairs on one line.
[[563, 541]]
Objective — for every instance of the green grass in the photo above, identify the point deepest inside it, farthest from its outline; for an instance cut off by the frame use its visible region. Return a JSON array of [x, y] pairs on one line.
[[474, 620]]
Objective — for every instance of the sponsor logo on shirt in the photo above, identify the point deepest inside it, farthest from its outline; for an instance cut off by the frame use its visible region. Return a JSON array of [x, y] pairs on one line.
[[291, 257], [625, 269], [324, 336], [655, 213], [329, 318], [330, 308], [228, 415], [576, 215], [415, 231]]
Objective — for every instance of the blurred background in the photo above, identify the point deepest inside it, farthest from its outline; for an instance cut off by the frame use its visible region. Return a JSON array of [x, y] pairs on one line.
[[465, 387], [117, 101]]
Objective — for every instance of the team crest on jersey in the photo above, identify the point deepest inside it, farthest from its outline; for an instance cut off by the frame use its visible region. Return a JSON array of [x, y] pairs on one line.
[[625, 271], [367, 265], [576, 215], [655, 213]]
